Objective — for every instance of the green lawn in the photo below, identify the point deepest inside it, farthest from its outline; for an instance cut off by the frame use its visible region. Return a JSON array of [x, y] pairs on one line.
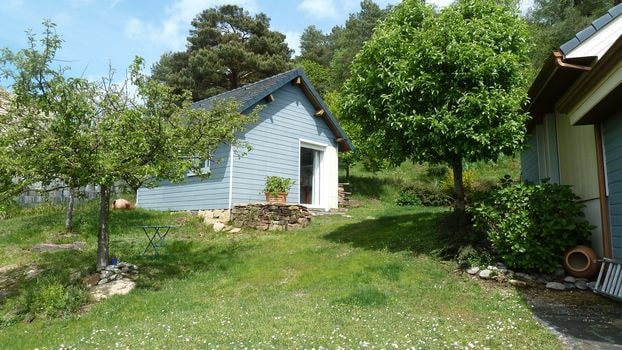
[[366, 281]]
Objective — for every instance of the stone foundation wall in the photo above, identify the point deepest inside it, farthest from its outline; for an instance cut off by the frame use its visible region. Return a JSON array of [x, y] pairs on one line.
[[273, 217], [211, 217]]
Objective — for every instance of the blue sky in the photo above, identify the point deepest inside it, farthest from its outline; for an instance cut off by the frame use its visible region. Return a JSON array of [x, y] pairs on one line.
[[103, 33]]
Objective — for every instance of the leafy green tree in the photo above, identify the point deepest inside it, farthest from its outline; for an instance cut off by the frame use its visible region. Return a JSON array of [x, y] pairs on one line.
[[10, 184], [358, 29], [47, 120], [227, 48], [154, 135], [443, 88], [316, 46], [553, 22], [320, 76], [110, 135]]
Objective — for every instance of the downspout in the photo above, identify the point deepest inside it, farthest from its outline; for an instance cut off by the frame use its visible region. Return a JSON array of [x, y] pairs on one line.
[[602, 192], [230, 178]]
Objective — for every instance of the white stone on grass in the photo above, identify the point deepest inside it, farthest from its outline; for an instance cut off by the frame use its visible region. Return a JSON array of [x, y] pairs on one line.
[[218, 226], [117, 287], [486, 274], [472, 270], [570, 279], [555, 286]]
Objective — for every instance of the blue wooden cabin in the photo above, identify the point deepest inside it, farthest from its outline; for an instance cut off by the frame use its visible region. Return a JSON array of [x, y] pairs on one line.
[[296, 136]]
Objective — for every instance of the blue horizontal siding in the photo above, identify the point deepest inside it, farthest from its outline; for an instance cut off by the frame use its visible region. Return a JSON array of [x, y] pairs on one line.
[[275, 141], [194, 193], [529, 160], [612, 139]]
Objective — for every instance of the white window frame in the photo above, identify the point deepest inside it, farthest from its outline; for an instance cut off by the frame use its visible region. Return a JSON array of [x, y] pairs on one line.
[[206, 167]]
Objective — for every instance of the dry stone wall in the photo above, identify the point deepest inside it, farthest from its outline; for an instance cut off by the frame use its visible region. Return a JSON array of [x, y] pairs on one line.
[[272, 217]]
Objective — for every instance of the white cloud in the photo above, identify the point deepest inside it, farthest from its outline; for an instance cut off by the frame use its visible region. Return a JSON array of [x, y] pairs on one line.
[[320, 9], [172, 31], [293, 41]]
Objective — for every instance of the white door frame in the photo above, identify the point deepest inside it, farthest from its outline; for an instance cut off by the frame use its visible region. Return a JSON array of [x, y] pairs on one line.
[[319, 191]]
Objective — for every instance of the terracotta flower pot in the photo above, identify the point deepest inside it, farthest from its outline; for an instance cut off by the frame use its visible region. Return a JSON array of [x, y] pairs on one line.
[[581, 261], [279, 198]]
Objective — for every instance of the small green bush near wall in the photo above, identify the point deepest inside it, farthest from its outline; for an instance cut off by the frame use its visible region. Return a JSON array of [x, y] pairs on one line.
[[530, 226]]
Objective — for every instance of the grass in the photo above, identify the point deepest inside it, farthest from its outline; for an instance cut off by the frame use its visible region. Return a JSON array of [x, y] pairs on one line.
[[385, 185], [370, 280]]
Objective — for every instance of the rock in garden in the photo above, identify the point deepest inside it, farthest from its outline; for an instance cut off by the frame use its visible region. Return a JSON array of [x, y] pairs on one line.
[[102, 281], [218, 226], [591, 285], [501, 265], [209, 221], [569, 285], [518, 283], [555, 286], [523, 276], [235, 230], [51, 247], [33, 272], [581, 285], [486, 274], [472, 270], [570, 279], [118, 287]]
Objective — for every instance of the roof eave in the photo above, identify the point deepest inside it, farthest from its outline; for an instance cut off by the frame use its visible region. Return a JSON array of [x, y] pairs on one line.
[[552, 82], [600, 70]]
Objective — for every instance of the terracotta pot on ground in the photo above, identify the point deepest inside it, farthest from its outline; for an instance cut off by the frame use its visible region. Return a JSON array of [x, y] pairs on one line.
[[581, 261], [280, 198]]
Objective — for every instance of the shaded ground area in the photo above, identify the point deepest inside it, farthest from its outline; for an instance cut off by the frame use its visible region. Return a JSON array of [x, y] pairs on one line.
[[584, 319]]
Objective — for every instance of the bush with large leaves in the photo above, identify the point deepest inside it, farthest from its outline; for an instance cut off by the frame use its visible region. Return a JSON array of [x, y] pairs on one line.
[[530, 226]]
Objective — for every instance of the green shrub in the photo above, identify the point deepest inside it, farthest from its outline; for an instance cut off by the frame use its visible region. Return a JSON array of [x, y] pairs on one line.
[[530, 226], [47, 297], [9, 209], [470, 256], [424, 194], [408, 198], [436, 171]]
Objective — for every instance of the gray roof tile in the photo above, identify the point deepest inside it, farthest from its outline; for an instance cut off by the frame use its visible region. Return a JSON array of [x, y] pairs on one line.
[[587, 32], [248, 95]]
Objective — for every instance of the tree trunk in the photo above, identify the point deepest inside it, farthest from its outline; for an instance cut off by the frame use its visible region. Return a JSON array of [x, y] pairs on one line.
[[102, 230], [460, 202], [70, 206]]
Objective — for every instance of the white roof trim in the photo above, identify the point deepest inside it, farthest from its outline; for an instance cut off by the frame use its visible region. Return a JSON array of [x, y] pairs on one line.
[[600, 42]]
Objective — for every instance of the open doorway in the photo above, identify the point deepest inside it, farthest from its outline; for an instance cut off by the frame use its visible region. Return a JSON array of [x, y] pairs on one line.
[[310, 161]]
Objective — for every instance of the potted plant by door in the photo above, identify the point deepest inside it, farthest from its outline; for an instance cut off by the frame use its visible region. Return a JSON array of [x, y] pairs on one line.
[[277, 188]]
